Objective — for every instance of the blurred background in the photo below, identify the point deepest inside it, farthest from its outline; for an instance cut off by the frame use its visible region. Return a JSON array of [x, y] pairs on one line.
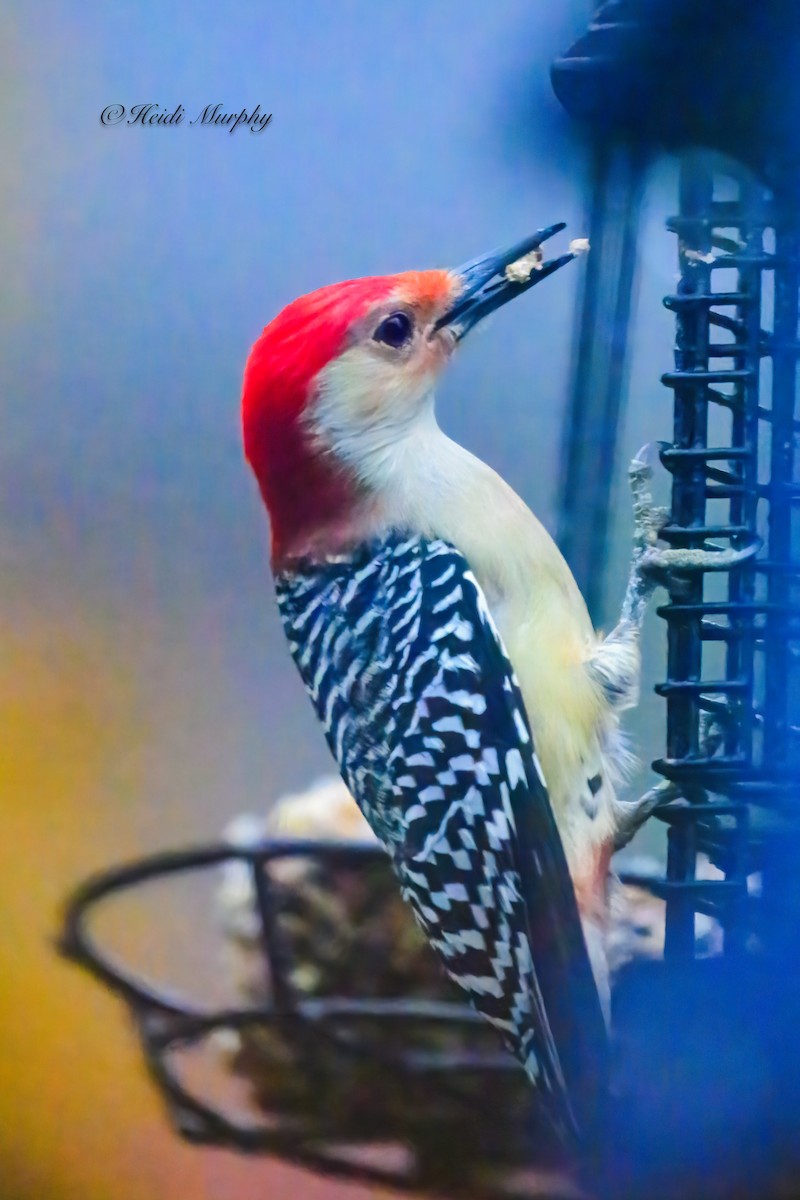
[[146, 692]]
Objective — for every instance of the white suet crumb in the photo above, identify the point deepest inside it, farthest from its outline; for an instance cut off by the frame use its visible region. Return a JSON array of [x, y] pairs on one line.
[[225, 1042], [521, 270], [245, 830], [698, 257]]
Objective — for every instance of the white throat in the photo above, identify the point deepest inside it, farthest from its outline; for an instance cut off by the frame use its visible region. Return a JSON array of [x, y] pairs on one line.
[[382, 424], [365, 414], [421, 482]]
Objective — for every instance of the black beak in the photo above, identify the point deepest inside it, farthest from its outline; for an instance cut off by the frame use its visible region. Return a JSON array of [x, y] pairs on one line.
[[486, 285]]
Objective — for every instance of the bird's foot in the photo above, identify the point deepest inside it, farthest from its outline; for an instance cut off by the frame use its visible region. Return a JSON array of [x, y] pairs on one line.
[[614, 663], [648, 520], [630, 815], [654, 564]]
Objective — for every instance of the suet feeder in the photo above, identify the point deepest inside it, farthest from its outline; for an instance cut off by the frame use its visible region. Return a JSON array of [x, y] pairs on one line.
[[355, 1054]]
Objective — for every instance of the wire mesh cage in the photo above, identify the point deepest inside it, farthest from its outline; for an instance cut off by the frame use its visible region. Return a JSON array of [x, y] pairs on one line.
[[732, 631], [707, 1047]]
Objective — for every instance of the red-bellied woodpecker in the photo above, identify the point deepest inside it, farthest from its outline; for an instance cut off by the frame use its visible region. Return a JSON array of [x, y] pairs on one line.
[[448, 651]]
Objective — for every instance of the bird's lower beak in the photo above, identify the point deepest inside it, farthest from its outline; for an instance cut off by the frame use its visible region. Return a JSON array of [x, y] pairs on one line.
[[492, 280]]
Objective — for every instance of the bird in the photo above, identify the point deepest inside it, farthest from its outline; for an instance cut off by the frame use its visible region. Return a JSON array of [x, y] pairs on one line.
[[471, 707]]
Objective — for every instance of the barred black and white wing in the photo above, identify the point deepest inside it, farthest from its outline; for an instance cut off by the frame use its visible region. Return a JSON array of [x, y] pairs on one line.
[[424, 716]]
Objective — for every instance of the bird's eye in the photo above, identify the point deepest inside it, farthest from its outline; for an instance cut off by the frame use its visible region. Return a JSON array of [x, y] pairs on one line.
[[395, 330]]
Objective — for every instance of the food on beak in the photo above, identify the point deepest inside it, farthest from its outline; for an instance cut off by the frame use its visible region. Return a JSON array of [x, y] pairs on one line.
[[520, 271]]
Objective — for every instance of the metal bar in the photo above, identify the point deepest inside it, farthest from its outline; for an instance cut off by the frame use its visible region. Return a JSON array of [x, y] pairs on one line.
[[599, 368]]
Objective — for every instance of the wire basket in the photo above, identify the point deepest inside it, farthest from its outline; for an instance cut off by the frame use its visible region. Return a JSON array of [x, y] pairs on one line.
[[382, 1078]]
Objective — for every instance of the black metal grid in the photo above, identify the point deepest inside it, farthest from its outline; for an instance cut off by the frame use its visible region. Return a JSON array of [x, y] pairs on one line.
[[732, 632]]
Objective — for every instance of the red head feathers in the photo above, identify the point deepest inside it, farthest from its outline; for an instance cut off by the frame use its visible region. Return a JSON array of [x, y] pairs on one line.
[[344, 375], [304, 487]]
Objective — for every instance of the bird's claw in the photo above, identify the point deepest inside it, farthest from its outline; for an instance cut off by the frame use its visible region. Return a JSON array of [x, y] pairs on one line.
[[656, 563], [646, 457], [630, 815], [648, 518], [653, 562]]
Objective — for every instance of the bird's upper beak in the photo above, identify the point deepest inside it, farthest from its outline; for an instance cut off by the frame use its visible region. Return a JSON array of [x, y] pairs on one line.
[[488, 284]]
